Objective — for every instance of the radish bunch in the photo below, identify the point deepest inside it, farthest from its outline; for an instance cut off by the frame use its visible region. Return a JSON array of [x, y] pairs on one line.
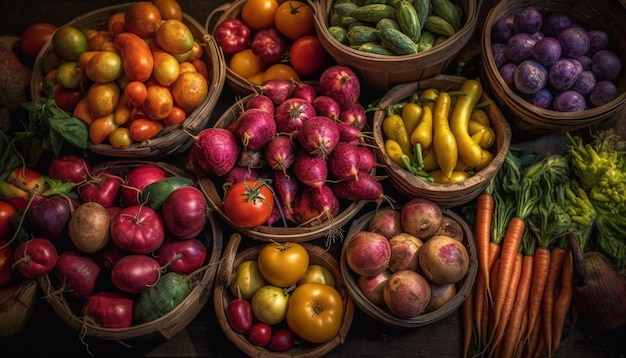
[[307, 139]]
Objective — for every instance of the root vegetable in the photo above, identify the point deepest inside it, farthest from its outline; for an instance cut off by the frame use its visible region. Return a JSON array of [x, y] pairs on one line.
[[305, 91], [310, 169], [344, 161], [421, 217], [255, 128], [292, 113], [215, 152], [326, 106], [372, 287], [261, 102], [280, 152], [406, 294], [286, 186], [342, 84], [385, 222], [278, 90], [354, 114], [368, 253], [319, 136], [443, 260], [440, 295], [452, 228], [365, 187], [404, 252]]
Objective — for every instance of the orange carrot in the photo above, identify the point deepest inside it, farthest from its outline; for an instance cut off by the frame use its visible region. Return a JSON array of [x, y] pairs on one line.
[[557, 255], [540, 275], [481, 305], [468, 323], [482, 235], [510, 246], [519, 348], [497, 332], [562, 302], [479, 293], [514, 327]]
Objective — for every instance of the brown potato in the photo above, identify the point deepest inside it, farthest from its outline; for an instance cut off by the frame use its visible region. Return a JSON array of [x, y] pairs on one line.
[[88, 227], [444, 260]]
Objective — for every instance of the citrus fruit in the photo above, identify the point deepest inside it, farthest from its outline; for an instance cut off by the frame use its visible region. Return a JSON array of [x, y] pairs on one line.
[[189, 90], [69, 42], [104, 67], [175, 37], [69, 75]]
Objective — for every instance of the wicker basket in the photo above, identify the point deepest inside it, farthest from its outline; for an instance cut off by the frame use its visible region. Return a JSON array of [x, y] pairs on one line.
[[214, 193], [167, 326], [222, 296], [446, 195], [381, 314], [175, 138], [607, 15], [380, 72]]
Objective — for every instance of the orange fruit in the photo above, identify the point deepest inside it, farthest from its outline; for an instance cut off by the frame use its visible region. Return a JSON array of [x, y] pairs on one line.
[[69, 42], [175, 37], [169, 9], [104, 67], [158, 103], [101, 127], [96, 42], [142, 19], [103, 98], [166, 68], [189, 90], [69, 75]]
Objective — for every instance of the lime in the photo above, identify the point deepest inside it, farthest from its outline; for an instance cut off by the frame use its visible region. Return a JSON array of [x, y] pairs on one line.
[[69, 42], [69, 75]]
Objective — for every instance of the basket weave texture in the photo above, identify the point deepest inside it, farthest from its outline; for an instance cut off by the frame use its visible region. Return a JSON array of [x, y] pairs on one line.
[[380, 72], [175, 138], [167, 326], [445, 195], [606, 15], [381, 314], [222, 296], [277, 233]]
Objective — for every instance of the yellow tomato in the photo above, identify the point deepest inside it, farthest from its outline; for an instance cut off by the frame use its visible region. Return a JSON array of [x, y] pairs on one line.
[[283, 264], [280, 71], [259, 14], [246, 63]]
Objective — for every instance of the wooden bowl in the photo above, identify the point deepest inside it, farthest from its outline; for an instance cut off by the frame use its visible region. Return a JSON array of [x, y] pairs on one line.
[[446, 195], [175, 138], [222, 296], [381, 314]]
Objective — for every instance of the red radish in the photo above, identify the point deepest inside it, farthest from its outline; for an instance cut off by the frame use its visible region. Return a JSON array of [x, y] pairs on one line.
[[367, 253], [280, 152], [354, 114], [215, 151], [326, 106], [326, 202], [342, 84], [286, 187], [305, 91], [367, 159], [261, 102], [252, 159], [319, 136], [278, 90], [365, 187], [343, 162], [255, 128], [237, 174], [311, 170], [135, 273], [292, 113]]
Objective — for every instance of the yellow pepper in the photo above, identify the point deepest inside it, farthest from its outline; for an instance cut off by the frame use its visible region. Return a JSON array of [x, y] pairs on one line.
[[394, 128], [444, 141], [394, 151], [480, 116], [469, 151], [456, 176], [411, 115], [487, 158], [430, 95], [423, 133], [430, 160]]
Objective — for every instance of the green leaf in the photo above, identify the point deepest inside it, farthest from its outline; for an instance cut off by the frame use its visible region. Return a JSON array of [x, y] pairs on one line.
[[72, 129]]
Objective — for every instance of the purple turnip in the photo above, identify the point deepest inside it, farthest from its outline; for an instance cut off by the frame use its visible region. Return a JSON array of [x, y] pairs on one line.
[[529, 20], [598, 40], [604, 92], [354, 114], [237, 174], [319, 136], [286, 187], [569, 101], [311, 170], [261, 102], [606, 65], [542, 98], [585, 82], [519, 47], [255, 128], [292, 113], [342, 84], [563, 74], [499, 54], [326, 106], [280, 152], [305, 91], [278, 90], [215, 152], [574, 41], [365, 187], [507, 71], [502, 29], [343, 162], [546, 51], [530, 76], [554, 23]]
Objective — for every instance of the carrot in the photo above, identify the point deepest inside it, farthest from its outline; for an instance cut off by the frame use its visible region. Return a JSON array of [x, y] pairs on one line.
[[514, 326], [479, 294], [557, 255], [482, 234], [481, 305], [562, 302], [519, 349], [468, 323], [498, 331], [540, 276], [510, 246]]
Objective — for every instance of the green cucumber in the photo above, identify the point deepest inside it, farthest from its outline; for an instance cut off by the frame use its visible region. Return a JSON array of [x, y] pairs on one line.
[[169, 291], [377, 48], [426, 42], [439, 26], [373, 12], [154, 194], [397, 41], [386, 22], [447, 11], [423, 9], [339, 34], [408, 20], [359, 35]]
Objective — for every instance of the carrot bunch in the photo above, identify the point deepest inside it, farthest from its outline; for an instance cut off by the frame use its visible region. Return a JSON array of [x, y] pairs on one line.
[[521, 224]]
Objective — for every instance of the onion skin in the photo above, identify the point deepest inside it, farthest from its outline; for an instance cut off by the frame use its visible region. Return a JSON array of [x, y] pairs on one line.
[[599, 289]]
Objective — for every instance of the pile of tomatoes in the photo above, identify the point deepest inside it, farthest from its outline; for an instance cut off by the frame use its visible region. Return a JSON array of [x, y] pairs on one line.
[[272, 39], [129, 80], [279, 298]]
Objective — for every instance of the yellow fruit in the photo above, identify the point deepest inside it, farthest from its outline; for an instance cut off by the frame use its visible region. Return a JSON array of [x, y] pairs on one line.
[[189, 90], [174, 36], [104, 67], [69, 42], [69, 75], [103, 98]]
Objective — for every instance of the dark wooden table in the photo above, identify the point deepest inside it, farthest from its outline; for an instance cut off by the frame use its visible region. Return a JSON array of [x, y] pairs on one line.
[[46, 335]]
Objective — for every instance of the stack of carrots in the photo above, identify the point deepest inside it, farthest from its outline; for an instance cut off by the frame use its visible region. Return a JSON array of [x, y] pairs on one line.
[[523, 291]]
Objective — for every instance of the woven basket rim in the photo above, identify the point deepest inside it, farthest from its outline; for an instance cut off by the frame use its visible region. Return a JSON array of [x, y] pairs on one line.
[[445, 195], [175, 138], [386, 317], [221, 296], [533, 117]]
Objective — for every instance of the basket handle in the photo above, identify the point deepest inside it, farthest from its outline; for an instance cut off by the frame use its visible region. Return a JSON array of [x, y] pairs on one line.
[[220, 9], [225, 274]]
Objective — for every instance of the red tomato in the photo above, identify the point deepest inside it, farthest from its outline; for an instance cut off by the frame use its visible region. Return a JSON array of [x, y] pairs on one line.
[[6, 211], [136, 92], [35, 258], [248, 203], [70, 168], [109, 310], [35, 37], [307, 55], [7, 258], [294, 19]]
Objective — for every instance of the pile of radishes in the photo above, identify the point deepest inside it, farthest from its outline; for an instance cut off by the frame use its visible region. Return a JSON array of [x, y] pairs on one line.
[[409, 261], [306, 139]]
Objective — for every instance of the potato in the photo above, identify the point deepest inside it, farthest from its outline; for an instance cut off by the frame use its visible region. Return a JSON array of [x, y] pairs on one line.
[[406, 294], [450, 227], [404, 248], [88, 227], [443, 260]]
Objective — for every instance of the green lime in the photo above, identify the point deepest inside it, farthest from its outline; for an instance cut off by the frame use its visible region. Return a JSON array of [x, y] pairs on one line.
[[69, 42], [69, 75]]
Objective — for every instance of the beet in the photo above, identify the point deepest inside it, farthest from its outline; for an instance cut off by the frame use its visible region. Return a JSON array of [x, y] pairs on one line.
[[319, 136], [255, 128], [367, 159], [326, 106], [280, 152], [305, 212], [365, 187], [349, 133], [278, 90], [326, 202], [305, 91], [310, 169], [354, 114], [286, 187], [342, 84], [343, 162], [261, 102], [237, 174], [292, 113], [252, 159], [215, 151]]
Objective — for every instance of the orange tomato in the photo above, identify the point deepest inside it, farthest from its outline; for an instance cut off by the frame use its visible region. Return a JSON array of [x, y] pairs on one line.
[[186, 67], [136, 92], [246, 63], [115, 25], [136, 56], [259, 14], [96, 42], [294, 19], [177, 115], [169, 9], [201, 68], [196, 52], [82, 112], [103, 98], [123, 111], [158, 103], [142, 19], [144, 128], [189, 90], [166, 68], [280, 71], [101, 127], [120, 138]]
